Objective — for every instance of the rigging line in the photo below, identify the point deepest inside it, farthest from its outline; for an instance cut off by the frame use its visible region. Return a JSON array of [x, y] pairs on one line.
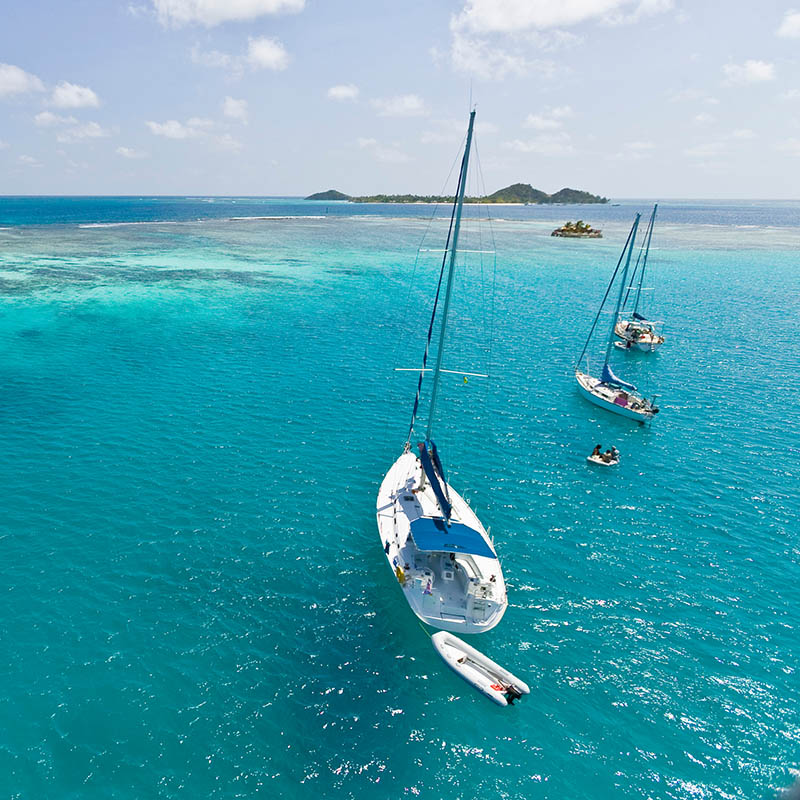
[[644, 263], [412, 280], [605, 296], [494, 263], [435, 305], [636, 265]]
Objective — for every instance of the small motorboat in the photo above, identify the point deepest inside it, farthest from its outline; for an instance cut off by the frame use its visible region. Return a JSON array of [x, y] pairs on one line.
[[603, 463], [479, 671]]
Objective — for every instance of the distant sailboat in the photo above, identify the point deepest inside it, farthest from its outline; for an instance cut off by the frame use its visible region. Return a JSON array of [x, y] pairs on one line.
[[608, 391], [636, 330], [435, 545]]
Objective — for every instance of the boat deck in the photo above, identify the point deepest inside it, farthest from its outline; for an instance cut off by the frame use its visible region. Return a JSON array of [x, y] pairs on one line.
[[448, 591]]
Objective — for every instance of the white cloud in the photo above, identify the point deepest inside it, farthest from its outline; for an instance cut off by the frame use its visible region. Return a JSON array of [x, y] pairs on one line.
[[791, 94], [635, 151], [544, 145], [390, 155], [129, 152], [344, 91], [194, 128], [228, 142], [88, 130], [235, 109], [479, 57], [704, 118], [47, 119], [513, 16], [211, 58], [172, 129], [264, 53], [14, 80], [3, 144], [751, 71], [743, 133], [214, 12], [790, 27], [70, 95], [705, 150], [790, 146], [30, 161], [550, 119], [404, 105]]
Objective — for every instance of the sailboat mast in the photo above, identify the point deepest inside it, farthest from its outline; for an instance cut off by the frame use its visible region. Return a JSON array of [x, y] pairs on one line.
[[462, 185], [615, 315], [646, 253]]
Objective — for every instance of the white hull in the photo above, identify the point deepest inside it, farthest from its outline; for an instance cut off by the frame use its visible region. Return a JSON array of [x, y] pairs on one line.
[[463, 594], [626, 404], [479, 671], [599, 461], [647, 340]]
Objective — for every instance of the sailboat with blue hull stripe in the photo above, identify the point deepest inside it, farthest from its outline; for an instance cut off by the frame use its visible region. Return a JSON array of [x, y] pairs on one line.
[[609, 391], [435, 545]]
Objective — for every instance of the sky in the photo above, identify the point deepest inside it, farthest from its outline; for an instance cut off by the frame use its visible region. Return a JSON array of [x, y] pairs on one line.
[[624, 98]]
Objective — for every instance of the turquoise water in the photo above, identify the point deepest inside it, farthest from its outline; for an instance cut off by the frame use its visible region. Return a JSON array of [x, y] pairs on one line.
[[195, 420]]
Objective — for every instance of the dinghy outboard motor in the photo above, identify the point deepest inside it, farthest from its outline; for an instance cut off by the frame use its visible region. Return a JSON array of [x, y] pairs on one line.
[[512, 694]]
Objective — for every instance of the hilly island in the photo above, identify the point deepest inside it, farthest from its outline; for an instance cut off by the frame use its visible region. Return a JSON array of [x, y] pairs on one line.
[[516, 193]]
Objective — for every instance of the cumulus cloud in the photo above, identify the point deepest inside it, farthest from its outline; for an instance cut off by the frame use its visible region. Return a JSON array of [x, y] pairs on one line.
[[513, 16], [29, 161], [14, 80], [3, 144], [705, 150], [265, 53], [492, 61], [172, 129], [47, 119], [235, 109], [550, 119], [743, 133], [211, 58], [87, 130], [790, 146], [703, 118], [403, 105], [544, 145], [215, 12], [389, 155], [228, 142], [130, 152], [343, 91], [790, 27], [751, 71], [635, 151], [70, 95]]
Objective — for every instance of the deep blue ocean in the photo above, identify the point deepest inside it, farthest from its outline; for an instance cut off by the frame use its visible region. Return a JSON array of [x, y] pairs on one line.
[[197, 412]]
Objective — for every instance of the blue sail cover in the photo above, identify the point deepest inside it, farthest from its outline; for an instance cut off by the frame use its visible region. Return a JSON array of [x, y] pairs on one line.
[[638, 316], [435, 535], [429, 457], [609, 377]]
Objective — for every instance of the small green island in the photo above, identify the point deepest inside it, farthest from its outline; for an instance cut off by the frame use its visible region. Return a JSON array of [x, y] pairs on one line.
[[579, 229], [517, 193]]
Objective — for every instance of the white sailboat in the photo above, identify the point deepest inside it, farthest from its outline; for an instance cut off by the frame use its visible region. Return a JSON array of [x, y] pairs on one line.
[[608, 391], [435, 545], [636, 331]]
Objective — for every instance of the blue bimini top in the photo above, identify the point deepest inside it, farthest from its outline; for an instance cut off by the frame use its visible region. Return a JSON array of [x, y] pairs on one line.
[[433, 534]]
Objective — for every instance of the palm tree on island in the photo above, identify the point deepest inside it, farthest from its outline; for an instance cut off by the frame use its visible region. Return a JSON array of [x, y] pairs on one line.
[[578, 229]]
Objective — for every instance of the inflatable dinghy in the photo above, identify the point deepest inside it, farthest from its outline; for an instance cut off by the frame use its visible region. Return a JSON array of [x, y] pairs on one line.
[[599, 460], [480, 672]]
